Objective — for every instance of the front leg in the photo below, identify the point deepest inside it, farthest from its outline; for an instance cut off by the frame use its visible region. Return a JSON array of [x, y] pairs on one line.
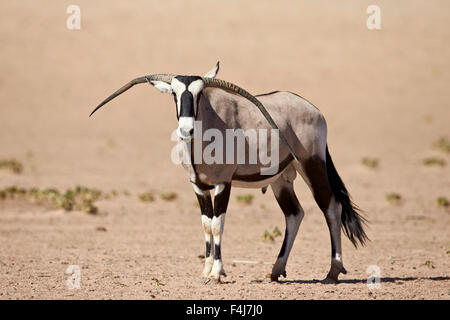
[[221, 198], [206, 207]]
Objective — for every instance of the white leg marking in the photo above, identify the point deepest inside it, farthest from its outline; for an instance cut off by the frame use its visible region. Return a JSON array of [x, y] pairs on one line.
[[217, 225], [206, 223]]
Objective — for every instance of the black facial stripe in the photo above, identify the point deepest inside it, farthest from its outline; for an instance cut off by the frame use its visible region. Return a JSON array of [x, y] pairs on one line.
[[187, 79], [199, 95], [187, 104], [187, 99], [176, 106]]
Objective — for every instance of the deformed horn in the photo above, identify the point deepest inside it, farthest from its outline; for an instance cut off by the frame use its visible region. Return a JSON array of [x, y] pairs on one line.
[[222, 84], [154, 77]]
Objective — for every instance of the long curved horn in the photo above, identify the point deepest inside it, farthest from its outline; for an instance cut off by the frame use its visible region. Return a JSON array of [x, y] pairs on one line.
[[154, 77], [222, 84]]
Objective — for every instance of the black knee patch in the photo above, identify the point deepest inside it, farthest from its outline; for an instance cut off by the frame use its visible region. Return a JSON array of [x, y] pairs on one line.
[[221, 200], [217, 253], [208, 249], [287, 201], [205, 205]]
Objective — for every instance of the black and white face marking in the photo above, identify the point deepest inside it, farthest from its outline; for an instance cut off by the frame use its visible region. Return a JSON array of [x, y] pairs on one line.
[[186, 90]]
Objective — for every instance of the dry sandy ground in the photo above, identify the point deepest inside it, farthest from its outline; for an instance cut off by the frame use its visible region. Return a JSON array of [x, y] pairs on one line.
[[384, 94]]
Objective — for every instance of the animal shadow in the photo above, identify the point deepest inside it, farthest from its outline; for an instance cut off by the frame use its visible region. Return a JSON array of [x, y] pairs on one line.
[[353, 281]]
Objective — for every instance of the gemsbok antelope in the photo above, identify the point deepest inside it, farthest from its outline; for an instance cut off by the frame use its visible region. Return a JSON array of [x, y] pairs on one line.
[[220, 106]]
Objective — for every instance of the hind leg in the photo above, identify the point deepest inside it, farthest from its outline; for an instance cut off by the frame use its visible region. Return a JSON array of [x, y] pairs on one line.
[[314, 172], [333, 218], [293, 213]]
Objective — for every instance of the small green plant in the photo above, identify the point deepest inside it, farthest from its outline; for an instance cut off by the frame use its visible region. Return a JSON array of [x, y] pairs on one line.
[[245, 199], [429, 264], [157, 282], [270, 236], [443, 144], [276, 232], [168, 196], [12, 165], [443, 202], [89, 207], [394, 198], [434, 161], [80, 198], [146, 197], [370, 162]]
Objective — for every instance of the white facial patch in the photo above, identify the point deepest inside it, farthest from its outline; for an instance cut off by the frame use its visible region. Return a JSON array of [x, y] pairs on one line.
[[178, 88], [162, 86], [195, 87]]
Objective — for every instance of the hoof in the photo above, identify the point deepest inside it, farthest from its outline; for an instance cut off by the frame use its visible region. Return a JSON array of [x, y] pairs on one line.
[[330, 280], [336, 269], [213, 281], [201, 280], [273, 277], [269, 278]]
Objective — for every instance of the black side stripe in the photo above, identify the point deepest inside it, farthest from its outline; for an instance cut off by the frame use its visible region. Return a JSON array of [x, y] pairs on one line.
[[254, 177]]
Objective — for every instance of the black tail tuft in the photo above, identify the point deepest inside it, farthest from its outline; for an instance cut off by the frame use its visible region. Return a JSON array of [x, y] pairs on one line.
[[352, 220]]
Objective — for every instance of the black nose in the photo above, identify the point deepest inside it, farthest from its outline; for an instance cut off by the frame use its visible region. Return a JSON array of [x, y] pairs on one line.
[[187, 133]]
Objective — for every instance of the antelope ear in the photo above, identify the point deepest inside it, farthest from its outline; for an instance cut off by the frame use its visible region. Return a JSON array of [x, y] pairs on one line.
[[162, 86], [213, 72]]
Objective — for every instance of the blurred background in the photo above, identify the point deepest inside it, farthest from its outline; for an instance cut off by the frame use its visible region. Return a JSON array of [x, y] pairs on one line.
[[385, 95]]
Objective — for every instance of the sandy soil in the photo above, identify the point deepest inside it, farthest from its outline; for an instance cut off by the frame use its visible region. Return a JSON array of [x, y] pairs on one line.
[[384, 94]]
